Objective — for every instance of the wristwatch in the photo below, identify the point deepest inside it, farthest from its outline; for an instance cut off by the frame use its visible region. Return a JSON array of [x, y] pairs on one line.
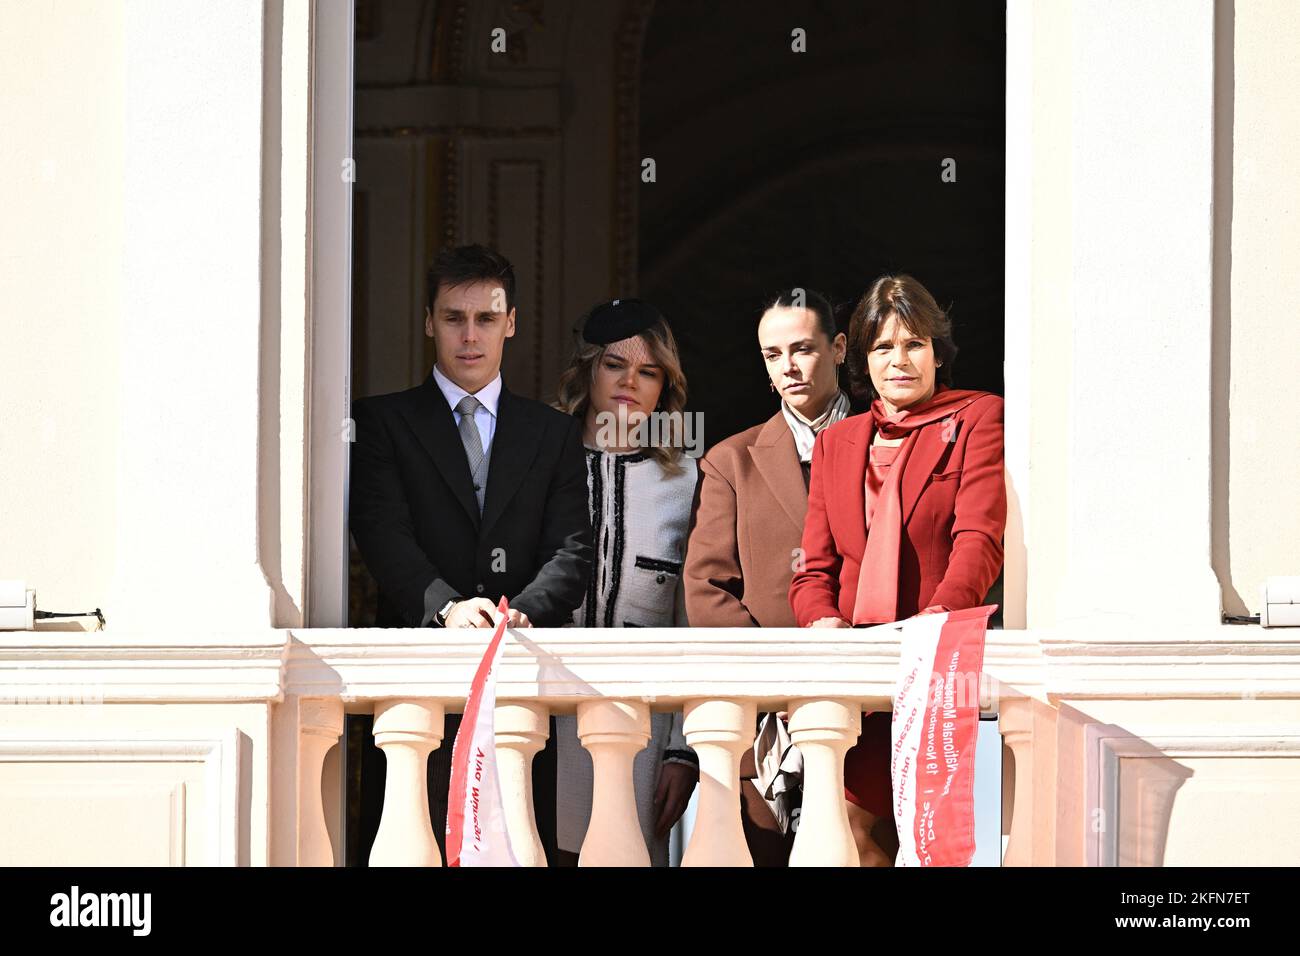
[[441, 616]]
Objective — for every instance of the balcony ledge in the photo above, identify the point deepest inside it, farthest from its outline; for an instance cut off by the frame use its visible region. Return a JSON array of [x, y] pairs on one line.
[[663, 666]]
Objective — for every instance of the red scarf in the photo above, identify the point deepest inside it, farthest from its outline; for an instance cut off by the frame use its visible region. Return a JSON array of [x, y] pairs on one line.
[[877, 597]]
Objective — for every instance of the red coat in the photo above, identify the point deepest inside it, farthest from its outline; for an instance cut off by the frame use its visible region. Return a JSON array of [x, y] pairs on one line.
[[954, 509]]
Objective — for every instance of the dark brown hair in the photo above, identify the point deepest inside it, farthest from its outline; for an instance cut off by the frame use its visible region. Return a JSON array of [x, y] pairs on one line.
[[456, 266], [911, 302], [801, 298]]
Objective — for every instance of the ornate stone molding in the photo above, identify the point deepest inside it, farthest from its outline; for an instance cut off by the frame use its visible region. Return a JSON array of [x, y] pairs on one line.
[[1160, 750], [175, 666], [627, 180], [663, 665], [220, 756], [448, 57]]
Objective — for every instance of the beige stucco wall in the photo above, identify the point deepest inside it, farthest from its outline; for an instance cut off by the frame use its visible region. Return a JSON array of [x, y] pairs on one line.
[[131, 784], [1255, 398], [1109, 228], [144, 316], [101, 471], [62, 73], [1048, 276], [1263, 519], [147, 462]]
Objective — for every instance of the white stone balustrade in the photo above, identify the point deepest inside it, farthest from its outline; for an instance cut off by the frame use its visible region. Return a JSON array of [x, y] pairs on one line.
[[719, 731], [824, 730], [614, 731], [253, 723], [407, 731], [320, 726], [521, 731]]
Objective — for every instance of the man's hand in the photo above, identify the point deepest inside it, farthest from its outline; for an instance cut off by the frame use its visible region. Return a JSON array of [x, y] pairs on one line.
[[830, 622], [676, 781], [517, 619], [472, 612]]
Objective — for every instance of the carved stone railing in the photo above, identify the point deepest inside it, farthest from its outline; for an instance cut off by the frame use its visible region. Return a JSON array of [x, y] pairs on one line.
[[1125, 743], [613, 680]]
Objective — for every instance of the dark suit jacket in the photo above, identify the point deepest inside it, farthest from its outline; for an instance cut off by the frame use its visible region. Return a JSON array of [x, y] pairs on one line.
[[416, 521], [747, 524], [954, 501]]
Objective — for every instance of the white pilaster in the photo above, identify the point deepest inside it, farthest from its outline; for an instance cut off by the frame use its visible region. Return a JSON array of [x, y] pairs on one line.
[[1139, 417]]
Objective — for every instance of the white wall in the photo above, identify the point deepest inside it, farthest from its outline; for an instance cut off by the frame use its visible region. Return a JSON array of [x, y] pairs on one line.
[[1263, 528], [131, 273], [131, 291], [1118, 324], [63, 154]]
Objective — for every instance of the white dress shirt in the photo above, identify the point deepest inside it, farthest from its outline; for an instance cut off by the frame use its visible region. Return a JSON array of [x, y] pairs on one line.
[[485, 416]]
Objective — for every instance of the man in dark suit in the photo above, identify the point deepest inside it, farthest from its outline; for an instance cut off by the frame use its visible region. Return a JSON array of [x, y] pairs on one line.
[[462, 492]]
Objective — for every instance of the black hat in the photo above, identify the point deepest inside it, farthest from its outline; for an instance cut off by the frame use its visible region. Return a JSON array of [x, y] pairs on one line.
[[617, 320]]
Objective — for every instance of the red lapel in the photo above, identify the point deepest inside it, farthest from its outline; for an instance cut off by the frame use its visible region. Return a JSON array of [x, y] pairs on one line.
[[851, 473], [931, 442]]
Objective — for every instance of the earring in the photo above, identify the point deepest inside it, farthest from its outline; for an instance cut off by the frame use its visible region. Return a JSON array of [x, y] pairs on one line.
[[771, 386]]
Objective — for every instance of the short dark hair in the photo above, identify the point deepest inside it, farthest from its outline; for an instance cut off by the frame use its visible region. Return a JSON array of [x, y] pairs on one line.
[[917, 311], [798, 297], [456, 266]]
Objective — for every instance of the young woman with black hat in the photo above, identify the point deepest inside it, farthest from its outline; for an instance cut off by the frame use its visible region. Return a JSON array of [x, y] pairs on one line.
[[626, 384]]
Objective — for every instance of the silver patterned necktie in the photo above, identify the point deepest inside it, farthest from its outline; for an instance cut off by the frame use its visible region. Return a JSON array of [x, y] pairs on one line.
[[469, 437]]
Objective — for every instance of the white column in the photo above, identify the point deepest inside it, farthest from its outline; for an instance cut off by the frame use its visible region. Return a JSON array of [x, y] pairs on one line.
[[718, 731], [824, 730], [1018, 288], [193, 132], [331, 312], [1138, 425], [521, 731], [407, 731], [320, 726], [614, 731]]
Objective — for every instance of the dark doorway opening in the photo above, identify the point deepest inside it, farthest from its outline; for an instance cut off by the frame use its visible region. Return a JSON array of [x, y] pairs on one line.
[[822, 168]]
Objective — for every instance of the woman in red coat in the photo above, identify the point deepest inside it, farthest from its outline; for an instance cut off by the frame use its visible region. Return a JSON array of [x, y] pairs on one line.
[[906, 504]]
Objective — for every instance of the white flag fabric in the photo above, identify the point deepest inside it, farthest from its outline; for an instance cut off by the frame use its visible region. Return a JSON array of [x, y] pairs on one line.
[[476, 817], [934, 729]]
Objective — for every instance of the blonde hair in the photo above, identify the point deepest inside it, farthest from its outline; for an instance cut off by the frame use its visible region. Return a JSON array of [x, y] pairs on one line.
[[574, 392]]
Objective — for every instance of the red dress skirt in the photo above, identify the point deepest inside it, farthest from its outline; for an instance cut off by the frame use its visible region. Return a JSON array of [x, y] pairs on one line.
[[866, 766]]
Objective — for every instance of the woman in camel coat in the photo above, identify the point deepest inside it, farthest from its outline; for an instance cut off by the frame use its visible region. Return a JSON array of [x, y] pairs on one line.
[[750, 507]]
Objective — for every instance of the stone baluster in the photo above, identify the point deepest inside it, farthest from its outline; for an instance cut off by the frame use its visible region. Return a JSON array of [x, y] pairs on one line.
[[718, 731], [407, 731], [1015, 723], [614, 732], [824, 730], [521, 731], [320, 724]]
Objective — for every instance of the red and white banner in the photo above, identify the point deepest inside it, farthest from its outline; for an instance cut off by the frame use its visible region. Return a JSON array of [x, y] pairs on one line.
[[476, 817], [935, 724]]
